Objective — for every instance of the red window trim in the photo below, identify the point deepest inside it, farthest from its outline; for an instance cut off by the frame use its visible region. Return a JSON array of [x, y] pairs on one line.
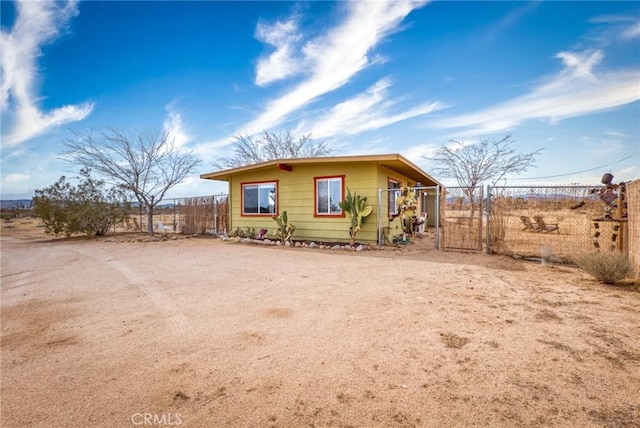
[[249, 183], [315, 196], [389, 181]]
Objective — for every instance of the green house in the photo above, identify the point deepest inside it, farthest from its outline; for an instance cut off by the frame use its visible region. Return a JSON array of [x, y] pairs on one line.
[[310, 190]]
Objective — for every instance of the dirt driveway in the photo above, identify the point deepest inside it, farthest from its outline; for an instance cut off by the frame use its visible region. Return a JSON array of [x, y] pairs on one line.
[[202, 333]]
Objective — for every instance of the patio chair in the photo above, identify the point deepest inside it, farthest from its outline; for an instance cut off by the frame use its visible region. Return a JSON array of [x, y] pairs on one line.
[[528, 225], [546, 227]]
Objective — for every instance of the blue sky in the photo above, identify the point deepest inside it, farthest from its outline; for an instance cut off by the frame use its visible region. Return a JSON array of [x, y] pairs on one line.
[[367, 77]]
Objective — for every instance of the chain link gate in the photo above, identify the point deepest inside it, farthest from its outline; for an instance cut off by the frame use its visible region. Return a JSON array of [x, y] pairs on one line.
[[556, 222], [462, 218]]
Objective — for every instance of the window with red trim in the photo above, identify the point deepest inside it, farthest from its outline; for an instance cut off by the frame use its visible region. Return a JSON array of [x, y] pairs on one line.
[[260, 198], [329, 193], [394, 190]]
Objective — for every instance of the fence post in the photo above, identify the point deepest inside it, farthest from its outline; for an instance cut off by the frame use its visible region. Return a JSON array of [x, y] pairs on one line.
[[437, 217], [214, 207], [380, 234], [488, 222], [174, 216]]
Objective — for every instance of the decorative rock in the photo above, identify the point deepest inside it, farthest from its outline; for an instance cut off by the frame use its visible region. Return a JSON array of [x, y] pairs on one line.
[[237, 239], [287, 244], [336, 247], [297, 244], [267, 242], [313, 245], [278, 243], [359, 248], [245, 241]]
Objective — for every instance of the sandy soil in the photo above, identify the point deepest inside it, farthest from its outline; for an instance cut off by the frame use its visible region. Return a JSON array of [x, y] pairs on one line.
[[203, 333]]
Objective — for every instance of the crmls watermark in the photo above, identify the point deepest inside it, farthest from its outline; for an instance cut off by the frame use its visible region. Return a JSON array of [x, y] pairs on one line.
[[155, 419]]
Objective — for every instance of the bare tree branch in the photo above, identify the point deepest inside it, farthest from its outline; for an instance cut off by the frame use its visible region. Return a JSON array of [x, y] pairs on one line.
[[487, 160], [147, 164], [475, 164], [248, 150]]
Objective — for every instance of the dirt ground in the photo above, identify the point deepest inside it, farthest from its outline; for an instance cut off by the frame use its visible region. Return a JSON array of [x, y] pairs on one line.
[[203, 333]]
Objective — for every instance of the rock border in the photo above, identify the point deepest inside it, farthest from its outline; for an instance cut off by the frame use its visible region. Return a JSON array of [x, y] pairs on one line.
[[302, 244]]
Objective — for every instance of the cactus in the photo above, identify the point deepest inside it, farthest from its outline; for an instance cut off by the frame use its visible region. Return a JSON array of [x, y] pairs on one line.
[[407, 205], [357, 209], [285, 229]]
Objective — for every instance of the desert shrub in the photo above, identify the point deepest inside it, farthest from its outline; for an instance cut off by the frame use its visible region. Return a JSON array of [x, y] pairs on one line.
[[8, 215], [499, 221], [90, 207], [608, 267], [249, 232]]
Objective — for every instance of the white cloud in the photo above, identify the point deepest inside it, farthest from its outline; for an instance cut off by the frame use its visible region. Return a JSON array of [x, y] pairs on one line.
[[631, 32], [576, 90], [364, 112], [173, 124], [603, 147], [281, 63], [16, 178], [623, 27], [616, 134], [418, 152], [37, 23], [580, 65], [332, 59]]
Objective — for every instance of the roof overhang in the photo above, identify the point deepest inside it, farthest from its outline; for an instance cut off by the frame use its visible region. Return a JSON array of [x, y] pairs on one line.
[[394, 162]]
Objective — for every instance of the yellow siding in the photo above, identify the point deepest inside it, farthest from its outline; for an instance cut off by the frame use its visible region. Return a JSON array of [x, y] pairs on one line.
[[296, 196]]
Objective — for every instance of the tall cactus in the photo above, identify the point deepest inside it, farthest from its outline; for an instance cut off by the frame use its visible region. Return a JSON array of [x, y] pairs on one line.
[[285, 229], [407, 205], [357, 209]]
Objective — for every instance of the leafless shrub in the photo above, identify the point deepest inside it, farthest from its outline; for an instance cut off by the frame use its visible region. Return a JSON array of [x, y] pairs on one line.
[[607, 267]]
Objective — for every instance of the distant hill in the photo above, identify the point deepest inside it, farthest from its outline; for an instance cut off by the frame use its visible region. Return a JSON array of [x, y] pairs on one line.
[[6, 204]]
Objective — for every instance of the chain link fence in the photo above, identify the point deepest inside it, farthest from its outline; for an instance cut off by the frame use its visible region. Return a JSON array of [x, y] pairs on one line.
[[199, 215], [558, 222]]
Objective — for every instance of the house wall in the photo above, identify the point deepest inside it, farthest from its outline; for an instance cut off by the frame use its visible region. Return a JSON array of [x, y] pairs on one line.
[[296, 196]]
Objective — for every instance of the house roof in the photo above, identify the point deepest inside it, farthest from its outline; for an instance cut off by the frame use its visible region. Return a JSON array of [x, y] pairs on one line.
[[394, 162]]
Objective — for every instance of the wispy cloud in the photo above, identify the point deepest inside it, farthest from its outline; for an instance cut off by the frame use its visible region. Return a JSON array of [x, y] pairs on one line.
[[513, 18], [282, 63], [600, 147], [632, 31], [364, 112], [328, 61], [625, 27], [16, 178], [174, 125], [37, 23], [578, 89]]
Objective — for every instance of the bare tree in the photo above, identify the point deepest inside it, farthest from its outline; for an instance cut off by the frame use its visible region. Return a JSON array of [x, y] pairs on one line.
[[147, 164], [248, 150], [474, 164]]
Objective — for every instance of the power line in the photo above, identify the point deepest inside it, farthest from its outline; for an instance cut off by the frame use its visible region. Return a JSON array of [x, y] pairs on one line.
[[576, 172]]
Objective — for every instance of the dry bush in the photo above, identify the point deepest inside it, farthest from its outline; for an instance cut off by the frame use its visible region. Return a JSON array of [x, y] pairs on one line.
[[499, 221], [607, 267]]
